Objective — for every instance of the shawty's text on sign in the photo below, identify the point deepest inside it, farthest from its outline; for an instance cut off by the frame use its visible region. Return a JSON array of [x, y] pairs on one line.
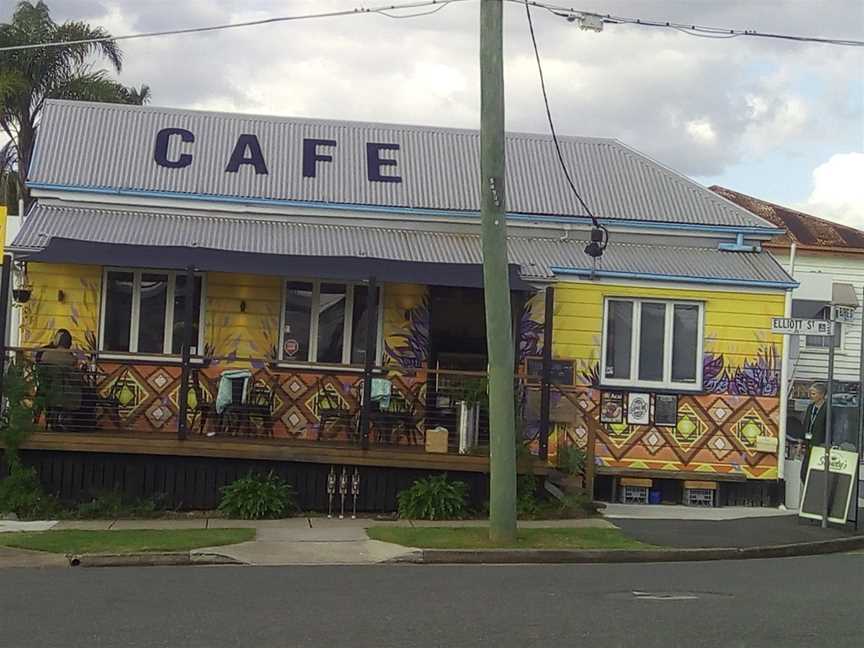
[[247, 151]]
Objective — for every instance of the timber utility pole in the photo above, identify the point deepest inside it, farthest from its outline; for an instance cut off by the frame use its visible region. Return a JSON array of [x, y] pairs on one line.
[[496, 285]]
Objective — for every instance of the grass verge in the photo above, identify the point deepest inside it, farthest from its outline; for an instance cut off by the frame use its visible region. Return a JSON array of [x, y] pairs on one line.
[[478, 538], [125, 541]]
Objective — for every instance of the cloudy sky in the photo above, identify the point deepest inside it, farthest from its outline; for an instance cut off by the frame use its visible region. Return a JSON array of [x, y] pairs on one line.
[[779, 120]]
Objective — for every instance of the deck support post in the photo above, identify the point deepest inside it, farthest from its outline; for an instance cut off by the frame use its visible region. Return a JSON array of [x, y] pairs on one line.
[[545, 384], [188, 311], [369, 360]]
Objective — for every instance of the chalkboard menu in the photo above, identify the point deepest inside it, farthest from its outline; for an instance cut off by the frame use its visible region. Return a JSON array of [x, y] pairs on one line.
[[666, 410], [840, 484]]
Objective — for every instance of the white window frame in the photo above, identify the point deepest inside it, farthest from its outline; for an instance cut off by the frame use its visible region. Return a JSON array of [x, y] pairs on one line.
[[666, 382], [136, 309], [347, 332]]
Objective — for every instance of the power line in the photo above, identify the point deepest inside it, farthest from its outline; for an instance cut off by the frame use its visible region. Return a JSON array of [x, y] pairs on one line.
[[383, 10], [586, 19], [595, 21], [561, 161]]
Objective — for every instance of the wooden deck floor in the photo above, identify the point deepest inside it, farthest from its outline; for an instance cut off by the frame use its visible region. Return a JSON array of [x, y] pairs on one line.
[[260, 448]]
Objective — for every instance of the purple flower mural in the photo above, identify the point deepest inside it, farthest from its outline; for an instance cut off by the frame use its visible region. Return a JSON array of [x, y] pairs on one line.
[[410, 350], [759, 377], [530, 334]]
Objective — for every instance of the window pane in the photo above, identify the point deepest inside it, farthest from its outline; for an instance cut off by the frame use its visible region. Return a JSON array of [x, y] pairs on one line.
[[685, 343], [652, 336], [151, 316], [180, 314], [358, 324], [298, 318], [619, 339], [331, 322], [118, 311]]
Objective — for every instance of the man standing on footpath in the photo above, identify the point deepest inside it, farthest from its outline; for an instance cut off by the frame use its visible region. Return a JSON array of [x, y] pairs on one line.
[[814, 425]]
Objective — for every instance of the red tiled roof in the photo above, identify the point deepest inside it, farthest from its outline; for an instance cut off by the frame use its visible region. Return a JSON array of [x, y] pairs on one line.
[[803, 229]]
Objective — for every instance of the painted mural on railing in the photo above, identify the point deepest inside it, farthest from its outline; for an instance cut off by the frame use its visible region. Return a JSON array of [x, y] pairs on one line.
[[270, 404]]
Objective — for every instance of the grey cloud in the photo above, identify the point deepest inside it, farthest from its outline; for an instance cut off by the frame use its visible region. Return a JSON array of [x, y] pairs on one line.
[[640, 85]]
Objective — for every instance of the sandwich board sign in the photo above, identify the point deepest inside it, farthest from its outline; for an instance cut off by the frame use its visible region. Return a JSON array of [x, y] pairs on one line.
[[841, 483], [800, 326]]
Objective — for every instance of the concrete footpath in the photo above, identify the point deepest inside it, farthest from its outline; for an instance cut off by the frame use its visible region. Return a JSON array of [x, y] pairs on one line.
[[739, 527], [323, 541]]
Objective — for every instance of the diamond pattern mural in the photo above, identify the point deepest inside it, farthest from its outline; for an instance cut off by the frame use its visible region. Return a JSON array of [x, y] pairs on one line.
[[713, 434], [146, 399]]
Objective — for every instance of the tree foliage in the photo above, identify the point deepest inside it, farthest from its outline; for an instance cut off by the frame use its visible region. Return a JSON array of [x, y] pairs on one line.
[[28, 77]]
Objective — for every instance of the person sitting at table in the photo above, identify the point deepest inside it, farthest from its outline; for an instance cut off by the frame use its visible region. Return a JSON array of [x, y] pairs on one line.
[[59, 380]]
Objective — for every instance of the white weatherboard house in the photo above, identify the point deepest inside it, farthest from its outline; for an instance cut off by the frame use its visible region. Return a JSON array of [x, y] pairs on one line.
[[827, 260]]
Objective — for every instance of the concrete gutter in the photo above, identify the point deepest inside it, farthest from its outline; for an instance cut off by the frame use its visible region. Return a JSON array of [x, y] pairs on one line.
[[553, 556], [166, 559]]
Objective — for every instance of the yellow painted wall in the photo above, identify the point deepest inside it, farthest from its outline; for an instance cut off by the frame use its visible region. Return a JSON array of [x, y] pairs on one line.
[[3, 213], [737, 324], [78, 311], [228, 330]]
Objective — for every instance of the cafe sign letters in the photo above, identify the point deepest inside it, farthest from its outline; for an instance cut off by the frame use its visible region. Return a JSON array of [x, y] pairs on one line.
[[381, 157]]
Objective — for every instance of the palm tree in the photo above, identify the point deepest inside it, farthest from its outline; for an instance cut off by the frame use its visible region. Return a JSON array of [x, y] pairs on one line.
[[29, 77]]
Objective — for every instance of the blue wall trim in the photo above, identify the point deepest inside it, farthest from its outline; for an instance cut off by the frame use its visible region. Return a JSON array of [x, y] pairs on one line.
[[618, 274], [571, 220]]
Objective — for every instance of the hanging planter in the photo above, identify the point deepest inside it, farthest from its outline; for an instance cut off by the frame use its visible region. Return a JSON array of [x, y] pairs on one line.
[[23, 290]]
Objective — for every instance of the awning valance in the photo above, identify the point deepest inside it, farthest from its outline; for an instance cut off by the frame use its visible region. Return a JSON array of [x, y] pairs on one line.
[[271, 244], [171, 257]]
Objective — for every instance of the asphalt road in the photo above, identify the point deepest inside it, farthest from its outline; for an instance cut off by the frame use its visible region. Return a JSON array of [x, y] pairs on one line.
[[812, 602]]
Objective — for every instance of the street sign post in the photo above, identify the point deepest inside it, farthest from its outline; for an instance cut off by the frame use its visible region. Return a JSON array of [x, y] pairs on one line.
[[799, 326]]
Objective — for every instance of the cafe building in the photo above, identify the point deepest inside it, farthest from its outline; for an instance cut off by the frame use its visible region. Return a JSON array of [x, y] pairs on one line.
[[306, 296]]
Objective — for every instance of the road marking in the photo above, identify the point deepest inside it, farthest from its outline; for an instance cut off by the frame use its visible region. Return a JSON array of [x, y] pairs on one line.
[[664, 596]]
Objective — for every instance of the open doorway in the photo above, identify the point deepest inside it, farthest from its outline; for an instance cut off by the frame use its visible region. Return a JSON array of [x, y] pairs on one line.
[[457, 329]]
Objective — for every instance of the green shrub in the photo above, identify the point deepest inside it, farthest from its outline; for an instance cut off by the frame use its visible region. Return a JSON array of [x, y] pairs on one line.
[[17, 422], [434, 498], [112, 504], [571, 460], [526, 495], [22, 494], [572, 506], [258, 497]]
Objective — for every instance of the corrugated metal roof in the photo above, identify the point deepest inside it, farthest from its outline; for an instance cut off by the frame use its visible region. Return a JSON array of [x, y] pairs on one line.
[[536, 256], [804, 229], [111, 147]]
